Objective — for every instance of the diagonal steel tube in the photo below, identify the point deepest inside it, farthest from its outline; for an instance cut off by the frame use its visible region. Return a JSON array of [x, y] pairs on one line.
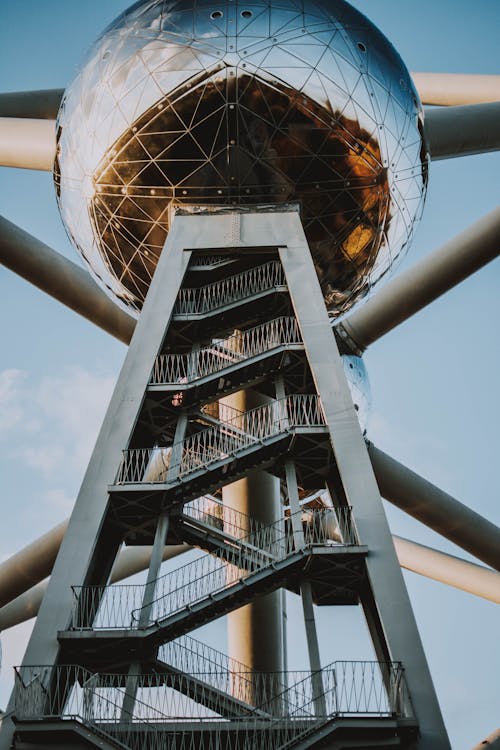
[[457, 88], [42, 104], [419, 286], [448, 569], [62, 279], [27, 143], [463, 131], [462, 575], [438, 510], [31, 564]]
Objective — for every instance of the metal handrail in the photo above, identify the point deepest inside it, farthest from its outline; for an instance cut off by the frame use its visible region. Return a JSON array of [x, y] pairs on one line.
[[221, 441], [221, 354], [210, 260], [193, 656], [208, 511], [96, 700], [119, 606], [199, 300], [163, 709], [223, 672]]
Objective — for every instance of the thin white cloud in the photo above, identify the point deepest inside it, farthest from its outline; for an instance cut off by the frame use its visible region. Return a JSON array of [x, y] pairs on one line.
[[11, 411], [54, 422], [58, 500]]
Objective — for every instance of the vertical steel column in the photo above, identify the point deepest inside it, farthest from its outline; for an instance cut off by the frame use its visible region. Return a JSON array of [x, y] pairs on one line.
[[306, 594], [255, 631], [293, 501], [154, 568], [176, 455], [391, 618], [147, 604], [313, 649]]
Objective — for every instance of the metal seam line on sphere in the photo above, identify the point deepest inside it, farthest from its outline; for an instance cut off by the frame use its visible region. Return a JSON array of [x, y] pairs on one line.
[[242, 104]]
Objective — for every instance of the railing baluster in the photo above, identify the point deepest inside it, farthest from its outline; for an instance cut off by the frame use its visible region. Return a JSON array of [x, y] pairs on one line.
[[280, 716], [175, 368], [230, 289]]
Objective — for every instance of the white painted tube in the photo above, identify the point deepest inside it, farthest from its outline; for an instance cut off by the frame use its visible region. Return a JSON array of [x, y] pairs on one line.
[[453, 571], [451, 89], [27, 143]]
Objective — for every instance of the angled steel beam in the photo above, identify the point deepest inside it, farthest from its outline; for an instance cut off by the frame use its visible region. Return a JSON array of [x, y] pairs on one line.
[[463, 131], [90, 544], [62, 279], [438, 510], [456, 88], [461, 574], [426, 281], [385, 601], [27, 143], [43, 104]]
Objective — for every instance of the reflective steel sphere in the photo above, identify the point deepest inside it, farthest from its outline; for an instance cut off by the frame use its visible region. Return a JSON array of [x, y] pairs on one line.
[[242, 103], [359, 385]]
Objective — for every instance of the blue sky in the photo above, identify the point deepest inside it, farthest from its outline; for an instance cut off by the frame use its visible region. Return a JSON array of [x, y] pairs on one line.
[[434, 379]]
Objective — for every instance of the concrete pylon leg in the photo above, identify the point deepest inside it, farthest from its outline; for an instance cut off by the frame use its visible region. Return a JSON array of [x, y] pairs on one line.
[[255, 631]]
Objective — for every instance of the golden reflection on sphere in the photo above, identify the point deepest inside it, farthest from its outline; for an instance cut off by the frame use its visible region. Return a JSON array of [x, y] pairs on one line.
[[242, 103]]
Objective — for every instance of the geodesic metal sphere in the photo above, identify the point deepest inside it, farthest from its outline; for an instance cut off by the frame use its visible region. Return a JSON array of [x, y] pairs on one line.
[[241, 103]]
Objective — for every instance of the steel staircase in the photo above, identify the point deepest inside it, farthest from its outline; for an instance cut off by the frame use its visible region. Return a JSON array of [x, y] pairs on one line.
[[215, 583], [247, 286], [236, 332]]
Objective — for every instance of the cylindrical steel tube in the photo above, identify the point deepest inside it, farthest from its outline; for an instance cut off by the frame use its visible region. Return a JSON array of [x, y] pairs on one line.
[[30, 565], [457, 88], [438, 510], [463, 131], [255, 631], [43, 104], [448, 569], [27, 144], [62, 279], [419, 286]]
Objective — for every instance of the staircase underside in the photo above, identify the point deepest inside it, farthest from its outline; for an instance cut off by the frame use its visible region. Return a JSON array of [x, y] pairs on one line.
[[336, 734], [336, 572], [134, 508]]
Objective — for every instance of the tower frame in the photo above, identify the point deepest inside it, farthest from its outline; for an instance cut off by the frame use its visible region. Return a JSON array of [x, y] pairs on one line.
[[91, 543]]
